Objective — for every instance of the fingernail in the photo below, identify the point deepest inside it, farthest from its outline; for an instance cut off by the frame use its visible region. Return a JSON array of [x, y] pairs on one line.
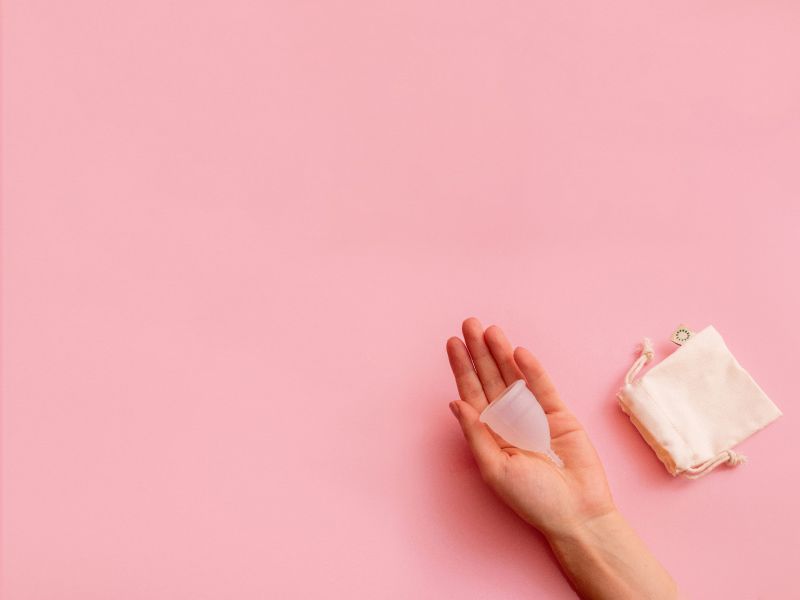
[[454, 409]]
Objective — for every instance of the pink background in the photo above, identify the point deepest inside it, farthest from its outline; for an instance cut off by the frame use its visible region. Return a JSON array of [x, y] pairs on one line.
[[237, 234]]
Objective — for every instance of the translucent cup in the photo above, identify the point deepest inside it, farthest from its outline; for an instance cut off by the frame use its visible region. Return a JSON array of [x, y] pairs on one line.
[[517, 417]]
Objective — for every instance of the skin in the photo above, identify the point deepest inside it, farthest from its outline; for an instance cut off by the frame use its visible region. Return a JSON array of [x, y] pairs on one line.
[[572, 506]]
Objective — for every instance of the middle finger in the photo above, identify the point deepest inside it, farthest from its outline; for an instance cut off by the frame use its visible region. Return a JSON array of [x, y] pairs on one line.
[[485, 365]]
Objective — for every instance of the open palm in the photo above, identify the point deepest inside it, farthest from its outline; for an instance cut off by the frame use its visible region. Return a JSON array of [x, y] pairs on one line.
[[551, 498]]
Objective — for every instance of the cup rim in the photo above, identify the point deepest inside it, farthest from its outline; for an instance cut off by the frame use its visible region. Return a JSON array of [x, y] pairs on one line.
[[510, 392]]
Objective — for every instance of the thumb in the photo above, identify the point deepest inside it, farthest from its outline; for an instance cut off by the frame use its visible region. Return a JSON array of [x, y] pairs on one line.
[[484, 447]]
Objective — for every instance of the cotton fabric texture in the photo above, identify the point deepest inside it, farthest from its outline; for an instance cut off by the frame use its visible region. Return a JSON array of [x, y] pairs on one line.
[[695, 405]]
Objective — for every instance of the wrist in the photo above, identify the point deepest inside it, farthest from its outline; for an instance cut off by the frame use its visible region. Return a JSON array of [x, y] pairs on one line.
[[604, 558], [586, 529]]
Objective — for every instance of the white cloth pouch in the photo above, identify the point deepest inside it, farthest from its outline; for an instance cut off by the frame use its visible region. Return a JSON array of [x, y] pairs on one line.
[[695, 405]]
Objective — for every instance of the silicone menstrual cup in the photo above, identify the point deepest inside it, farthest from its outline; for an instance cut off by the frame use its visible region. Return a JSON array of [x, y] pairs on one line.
[[517, 417]]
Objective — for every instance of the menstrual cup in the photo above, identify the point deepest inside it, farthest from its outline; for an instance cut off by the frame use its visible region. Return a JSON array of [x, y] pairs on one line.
[[517, 417]]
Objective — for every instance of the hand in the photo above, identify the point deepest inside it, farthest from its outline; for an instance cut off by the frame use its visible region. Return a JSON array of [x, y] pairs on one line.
[[552, 499], [600, 553]]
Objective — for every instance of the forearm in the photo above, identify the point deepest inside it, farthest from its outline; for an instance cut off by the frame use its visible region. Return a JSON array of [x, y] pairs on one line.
[[604, 558]]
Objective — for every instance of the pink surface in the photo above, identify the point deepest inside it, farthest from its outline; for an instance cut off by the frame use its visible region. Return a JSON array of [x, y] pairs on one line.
[[236, 236]]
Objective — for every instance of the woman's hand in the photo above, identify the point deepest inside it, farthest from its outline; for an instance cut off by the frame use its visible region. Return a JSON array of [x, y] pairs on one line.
[[550, 498], [600, 553]]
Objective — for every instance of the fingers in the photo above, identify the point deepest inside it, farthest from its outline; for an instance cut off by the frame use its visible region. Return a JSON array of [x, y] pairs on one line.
[[503, 354], [487, 453], [469, 386], [539, 381], [488, 372]]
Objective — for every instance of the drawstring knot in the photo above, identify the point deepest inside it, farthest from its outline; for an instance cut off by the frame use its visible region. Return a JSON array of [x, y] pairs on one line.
[[726, 457], [646, 355], [734, 458]]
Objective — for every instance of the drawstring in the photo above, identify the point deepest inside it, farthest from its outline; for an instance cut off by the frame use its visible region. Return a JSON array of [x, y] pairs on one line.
[[725, 457], [645, 357]]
